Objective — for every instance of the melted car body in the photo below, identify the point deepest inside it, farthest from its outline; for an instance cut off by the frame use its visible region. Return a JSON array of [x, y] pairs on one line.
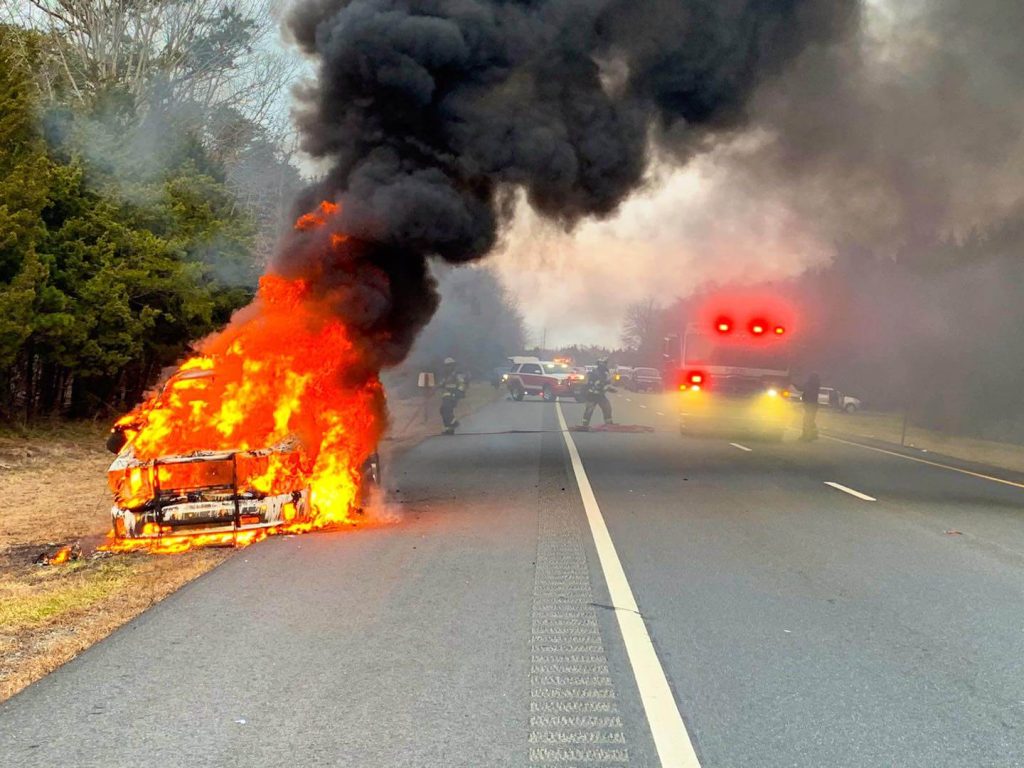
[[212, 491]]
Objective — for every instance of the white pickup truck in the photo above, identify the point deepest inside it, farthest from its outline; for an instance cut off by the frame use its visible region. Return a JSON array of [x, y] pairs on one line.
[[833, 398]]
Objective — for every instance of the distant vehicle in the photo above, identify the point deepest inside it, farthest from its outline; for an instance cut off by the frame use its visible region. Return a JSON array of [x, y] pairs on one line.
[[544, 378], [840, 401], [644, 380], [578, 382], [621, 374], [833, 398]]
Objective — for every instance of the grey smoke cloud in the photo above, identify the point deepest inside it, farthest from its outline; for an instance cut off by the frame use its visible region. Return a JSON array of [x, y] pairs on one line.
[[906, 132], [899, 133]]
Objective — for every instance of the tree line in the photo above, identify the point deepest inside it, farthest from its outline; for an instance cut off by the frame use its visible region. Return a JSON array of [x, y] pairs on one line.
[[141, 184]]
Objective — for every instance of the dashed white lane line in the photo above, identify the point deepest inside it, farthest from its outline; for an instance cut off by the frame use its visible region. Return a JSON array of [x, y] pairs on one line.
[[675, 750], [741, 447], [643, 406], [629, 400], [925, 461], [844, 489], [659, 413]]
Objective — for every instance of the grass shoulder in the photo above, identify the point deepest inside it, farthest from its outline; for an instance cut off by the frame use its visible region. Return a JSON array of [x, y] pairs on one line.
[[54, 481]]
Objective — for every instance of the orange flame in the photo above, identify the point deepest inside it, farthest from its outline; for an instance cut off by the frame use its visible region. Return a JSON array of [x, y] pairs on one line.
[[61, 556], [276, 374]]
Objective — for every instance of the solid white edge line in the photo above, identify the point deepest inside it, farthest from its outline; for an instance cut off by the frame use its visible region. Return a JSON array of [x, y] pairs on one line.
[[671, 739], [925, 461], [850, 491], [741, 447]]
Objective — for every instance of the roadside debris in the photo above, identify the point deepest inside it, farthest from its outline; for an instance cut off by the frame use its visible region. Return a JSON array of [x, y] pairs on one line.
[[64, 554], [954, 532]]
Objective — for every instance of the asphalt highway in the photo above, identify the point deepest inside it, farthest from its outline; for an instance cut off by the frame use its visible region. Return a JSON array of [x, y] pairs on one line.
[[811, 605]]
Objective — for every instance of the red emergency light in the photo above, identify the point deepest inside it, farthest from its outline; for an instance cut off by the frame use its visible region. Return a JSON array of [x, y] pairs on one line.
[[779, 330], [723, 324], [692, 381], [757, 327]]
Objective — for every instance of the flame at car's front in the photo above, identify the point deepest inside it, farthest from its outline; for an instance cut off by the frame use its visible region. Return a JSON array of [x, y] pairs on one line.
[[276, 376]]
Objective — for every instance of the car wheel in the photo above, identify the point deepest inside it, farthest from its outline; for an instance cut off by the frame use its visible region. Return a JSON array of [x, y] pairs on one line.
[[518, 394], [850, 408], [549, 395]]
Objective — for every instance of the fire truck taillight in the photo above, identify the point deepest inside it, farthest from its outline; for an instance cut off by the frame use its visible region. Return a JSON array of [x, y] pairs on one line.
[[724, 325], [692, 381], [779, 330], [757, 328]]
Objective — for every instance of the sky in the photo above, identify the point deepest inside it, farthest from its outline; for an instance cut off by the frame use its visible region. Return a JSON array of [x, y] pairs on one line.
[[689, 228]]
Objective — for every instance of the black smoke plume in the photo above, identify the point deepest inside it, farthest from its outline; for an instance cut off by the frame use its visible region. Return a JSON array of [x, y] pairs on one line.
[[433, 115]]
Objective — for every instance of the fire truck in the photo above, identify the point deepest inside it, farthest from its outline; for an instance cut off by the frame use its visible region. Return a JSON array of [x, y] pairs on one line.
[[731, 368]]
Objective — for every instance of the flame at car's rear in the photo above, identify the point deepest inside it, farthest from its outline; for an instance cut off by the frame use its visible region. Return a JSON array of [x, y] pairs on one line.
[[278, 375]]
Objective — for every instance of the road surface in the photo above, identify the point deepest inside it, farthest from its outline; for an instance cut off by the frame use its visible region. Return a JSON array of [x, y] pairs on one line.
[[607, 599]]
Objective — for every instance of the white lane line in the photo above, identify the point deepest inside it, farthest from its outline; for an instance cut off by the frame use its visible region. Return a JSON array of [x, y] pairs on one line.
[[629, 400], [659, 413], [925, 461], [643, 406], [675, 750], [741, 447], [850, 491]]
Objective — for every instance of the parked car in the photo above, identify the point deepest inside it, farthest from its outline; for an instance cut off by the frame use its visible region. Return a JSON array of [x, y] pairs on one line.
[[499, 375], [644, 380], [545, 378], [620, 374]]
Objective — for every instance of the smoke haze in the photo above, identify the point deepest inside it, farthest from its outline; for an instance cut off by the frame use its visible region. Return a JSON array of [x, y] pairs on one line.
[[432, 115], [897, 136]]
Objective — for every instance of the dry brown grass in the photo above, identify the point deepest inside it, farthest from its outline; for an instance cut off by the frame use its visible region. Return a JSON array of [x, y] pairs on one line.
[[54, 491]]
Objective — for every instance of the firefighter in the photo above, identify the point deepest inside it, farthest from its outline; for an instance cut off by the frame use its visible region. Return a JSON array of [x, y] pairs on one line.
[[598, 383], [809, 398], [453, 389]]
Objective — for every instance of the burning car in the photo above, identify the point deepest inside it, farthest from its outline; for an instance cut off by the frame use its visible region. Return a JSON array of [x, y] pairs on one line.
[[219, 492]]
